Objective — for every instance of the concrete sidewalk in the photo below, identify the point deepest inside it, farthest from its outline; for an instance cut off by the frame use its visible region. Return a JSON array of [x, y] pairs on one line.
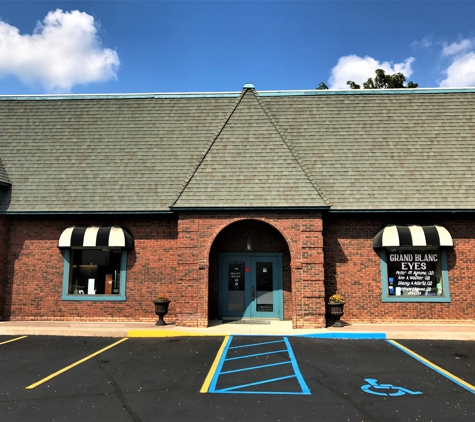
[[218, 328]]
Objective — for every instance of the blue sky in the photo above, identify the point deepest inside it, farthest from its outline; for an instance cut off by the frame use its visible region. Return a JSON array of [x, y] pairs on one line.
[[51, 47]]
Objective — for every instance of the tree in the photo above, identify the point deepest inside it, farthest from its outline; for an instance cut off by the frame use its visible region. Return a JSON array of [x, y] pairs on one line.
[[353, 85], [322, 85], [383, 81]]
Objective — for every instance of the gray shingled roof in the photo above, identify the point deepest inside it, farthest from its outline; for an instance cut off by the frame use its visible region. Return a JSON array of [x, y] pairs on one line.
[[380, 150], [385, 151], [4, 180], [249, 164], [103, 154]]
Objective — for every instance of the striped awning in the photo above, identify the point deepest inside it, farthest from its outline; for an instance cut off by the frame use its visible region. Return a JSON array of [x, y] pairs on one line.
[[412, 235], [95, 237]]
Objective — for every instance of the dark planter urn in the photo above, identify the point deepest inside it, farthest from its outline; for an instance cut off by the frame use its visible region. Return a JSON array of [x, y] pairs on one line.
[[161, 309], [336, 311]]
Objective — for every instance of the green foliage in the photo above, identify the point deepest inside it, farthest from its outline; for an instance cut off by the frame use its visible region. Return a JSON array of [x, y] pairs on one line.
[[322, 85], [353, 85], [384, 81]]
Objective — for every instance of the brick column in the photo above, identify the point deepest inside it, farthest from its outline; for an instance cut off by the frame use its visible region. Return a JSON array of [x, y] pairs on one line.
[[4, 234], [192, 274], [308, 287]]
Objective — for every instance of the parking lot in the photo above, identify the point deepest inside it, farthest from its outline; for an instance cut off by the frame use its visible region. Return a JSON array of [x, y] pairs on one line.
[[235, 378]]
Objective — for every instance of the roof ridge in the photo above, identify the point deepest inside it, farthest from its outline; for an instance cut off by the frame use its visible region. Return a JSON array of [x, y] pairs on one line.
[[202, 156], [291, 148]]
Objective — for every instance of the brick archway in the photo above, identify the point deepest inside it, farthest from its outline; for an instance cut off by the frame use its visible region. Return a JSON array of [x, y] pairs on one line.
[[299, 234], [233, 238]]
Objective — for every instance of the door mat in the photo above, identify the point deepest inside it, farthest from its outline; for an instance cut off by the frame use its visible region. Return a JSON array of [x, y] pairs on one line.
[[247, 321]]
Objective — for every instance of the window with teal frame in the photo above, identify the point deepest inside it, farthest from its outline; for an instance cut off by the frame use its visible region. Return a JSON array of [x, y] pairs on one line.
[[414, 274], [94, 274]]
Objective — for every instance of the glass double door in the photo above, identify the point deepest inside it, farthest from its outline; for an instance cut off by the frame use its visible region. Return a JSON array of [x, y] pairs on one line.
[[251, 286]]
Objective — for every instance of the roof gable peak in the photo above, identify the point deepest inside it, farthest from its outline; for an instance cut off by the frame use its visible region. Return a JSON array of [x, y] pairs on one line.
[[249, 162]]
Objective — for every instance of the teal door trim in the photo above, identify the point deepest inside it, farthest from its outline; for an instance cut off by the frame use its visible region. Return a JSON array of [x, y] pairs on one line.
[[244, 300]]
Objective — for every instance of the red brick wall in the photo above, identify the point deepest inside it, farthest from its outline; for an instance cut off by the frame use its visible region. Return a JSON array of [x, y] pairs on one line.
[[4, 234], [35, 272], [352, 267], [170, 257], [178, 257]]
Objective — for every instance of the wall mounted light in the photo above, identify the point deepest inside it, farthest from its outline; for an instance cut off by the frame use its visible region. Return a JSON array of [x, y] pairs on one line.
[[248, 244]]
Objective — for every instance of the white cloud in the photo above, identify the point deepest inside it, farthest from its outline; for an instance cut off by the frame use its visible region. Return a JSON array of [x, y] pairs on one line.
[[461, 73], [64, 50], [359, 69], [457, 47]]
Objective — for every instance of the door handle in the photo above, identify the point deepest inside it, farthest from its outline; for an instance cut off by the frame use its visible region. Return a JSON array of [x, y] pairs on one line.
[[253, 294]]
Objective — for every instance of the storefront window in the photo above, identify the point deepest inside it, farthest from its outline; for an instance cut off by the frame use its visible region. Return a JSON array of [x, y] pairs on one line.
[[95, 271], [414, 274], [94, 274]]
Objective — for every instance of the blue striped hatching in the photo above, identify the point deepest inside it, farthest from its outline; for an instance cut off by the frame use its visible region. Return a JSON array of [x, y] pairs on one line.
[[243, 388]]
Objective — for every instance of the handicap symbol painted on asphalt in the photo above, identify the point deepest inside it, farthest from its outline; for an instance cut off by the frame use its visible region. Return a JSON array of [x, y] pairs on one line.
[[373, 385]]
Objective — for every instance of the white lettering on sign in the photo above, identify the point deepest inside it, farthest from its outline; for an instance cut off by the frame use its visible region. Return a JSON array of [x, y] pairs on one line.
[[409, 257], [398, 257], [411, 273], [413, 266]]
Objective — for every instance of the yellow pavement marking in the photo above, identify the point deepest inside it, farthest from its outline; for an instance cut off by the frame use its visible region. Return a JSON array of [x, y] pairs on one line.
[[73, 365], [168, 333], [437, 368], [13, 339], [212, 370]]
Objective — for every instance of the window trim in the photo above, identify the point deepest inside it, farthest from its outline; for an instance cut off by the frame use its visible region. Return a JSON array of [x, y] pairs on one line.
[[445, 281], [94, 298]]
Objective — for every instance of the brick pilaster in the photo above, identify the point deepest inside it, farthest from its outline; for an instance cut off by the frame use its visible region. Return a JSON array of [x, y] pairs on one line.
[[308, 275], [191, 289], [4, 235]]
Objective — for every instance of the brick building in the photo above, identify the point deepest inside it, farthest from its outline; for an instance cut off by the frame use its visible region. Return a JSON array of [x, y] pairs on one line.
[[239, 205]]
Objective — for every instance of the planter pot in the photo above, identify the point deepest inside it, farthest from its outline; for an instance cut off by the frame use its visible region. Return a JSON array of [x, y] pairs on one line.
[[336, 311], [161, 309]]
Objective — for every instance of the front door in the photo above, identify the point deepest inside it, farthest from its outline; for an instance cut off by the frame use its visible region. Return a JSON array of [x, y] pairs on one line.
[[250, 285]]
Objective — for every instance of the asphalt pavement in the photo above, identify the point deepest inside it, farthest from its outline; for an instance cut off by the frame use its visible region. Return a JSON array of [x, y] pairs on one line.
[[235, 378]]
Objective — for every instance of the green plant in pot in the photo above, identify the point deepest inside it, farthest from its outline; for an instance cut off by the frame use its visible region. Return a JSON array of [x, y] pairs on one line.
[[336, 303], [161, 308]]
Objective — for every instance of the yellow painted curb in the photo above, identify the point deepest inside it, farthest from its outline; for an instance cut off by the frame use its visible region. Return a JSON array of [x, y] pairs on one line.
[[168, 333]]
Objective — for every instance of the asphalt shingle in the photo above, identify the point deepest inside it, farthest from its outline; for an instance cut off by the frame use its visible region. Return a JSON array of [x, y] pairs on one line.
[[249, 164], [4, 180], [384, 151]]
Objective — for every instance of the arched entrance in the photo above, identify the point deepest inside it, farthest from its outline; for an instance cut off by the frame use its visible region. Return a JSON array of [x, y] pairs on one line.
[[250, 273]]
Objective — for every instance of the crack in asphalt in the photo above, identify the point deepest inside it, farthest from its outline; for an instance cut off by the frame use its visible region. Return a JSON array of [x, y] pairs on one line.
[[118, 392]]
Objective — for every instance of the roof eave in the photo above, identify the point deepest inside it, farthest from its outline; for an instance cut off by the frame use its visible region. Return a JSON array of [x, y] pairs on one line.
[[264, 209], [411, 210], [46, 213]]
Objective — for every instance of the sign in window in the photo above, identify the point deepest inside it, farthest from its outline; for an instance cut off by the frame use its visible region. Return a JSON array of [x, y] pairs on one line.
[[414, 273]]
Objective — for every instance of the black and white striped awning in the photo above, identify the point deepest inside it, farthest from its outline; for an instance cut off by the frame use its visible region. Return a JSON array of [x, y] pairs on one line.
[[95, 237], [412, 235]]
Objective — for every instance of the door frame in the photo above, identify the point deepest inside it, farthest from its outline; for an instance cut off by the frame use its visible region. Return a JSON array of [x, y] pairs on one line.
[[246, 257]]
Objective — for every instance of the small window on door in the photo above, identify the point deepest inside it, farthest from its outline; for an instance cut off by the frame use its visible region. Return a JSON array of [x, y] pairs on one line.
[[236, 290], [264, 287]]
